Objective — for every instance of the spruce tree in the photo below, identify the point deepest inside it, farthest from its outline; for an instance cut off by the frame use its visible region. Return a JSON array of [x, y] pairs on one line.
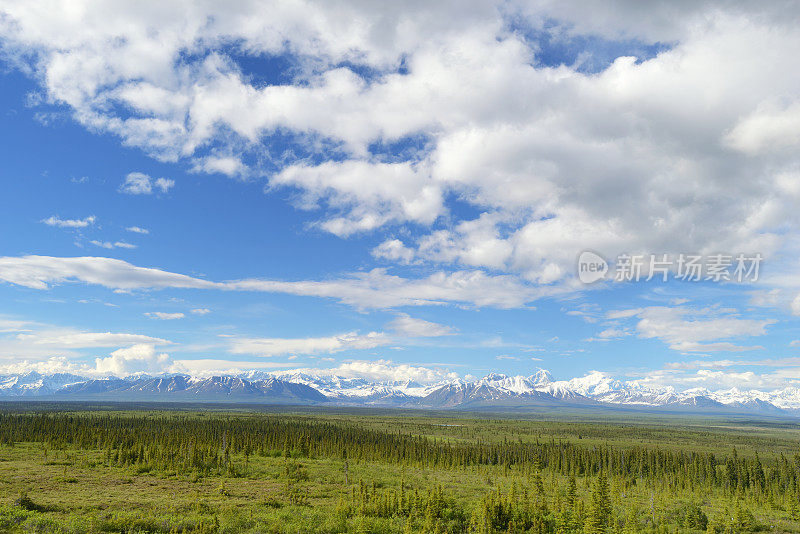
[[600, 507]]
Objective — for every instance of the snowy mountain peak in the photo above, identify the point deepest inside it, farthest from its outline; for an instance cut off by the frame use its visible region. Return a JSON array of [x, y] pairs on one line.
[[541, 378], [595, 388]]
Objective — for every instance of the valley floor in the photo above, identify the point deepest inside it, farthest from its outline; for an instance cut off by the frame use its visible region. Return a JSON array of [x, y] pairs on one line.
[[361, 471]]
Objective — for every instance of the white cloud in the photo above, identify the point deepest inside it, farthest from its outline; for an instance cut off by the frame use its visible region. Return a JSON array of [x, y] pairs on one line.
[[610, 333], [12, 325], [311, 345], [372, 289], [406, 325], [136, 359], [700, 364], [623, 314], [771, 127], [164, 184], [55, 220], [718, 378], [383, 370], [164, 316], [39, 272], [228, 166], [378, 289], [72, 339], [55, 364], [201, 311], [688, 329], [137, 183], [693, 141], [110, 246], [394, 250], [30, 341], [369, 194], [212, 366], [138, 230]]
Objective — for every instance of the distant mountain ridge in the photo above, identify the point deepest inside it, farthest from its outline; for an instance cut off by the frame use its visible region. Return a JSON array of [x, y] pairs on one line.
[[492, 391], [172, 387]]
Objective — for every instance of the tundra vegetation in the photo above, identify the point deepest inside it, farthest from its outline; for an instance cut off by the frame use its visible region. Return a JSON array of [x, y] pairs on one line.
[[107, 470]]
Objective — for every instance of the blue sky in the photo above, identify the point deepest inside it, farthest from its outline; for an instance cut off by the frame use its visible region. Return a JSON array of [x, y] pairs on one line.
[[201, 189]]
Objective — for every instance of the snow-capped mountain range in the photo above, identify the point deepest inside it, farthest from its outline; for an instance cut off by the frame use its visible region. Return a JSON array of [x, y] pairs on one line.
[[595, 390]]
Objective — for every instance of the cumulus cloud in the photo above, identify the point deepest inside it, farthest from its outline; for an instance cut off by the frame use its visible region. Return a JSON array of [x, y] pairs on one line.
[[135, 359], [694, 137], [138, 230], [229, 166], [383, 370], [54, 364], [137, 183], [378, 370], [371, 194], [213, 366], [201, 311], [55, 220], [311, 345], [394, 250], [718, 379], [689, 149], [26, 341], [795, 306], [770, 128]]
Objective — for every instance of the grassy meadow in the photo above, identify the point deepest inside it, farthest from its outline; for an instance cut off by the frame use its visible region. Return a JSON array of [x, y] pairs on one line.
[[241, 470]]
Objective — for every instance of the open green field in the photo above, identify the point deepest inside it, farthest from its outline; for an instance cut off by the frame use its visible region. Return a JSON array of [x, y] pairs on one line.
[[234, 469]]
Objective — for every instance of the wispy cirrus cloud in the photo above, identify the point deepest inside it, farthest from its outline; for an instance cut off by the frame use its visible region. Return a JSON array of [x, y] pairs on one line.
[[40, 272], [69, 339], [311, 345], [110, 246], [409, 326], [165, 316], [372, 289]]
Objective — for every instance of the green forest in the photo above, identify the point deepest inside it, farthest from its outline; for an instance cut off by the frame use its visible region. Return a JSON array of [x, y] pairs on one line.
[[110, 470]]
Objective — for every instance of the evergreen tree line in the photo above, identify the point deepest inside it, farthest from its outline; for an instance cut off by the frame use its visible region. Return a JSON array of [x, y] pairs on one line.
[[206, 445], [220, 445]]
